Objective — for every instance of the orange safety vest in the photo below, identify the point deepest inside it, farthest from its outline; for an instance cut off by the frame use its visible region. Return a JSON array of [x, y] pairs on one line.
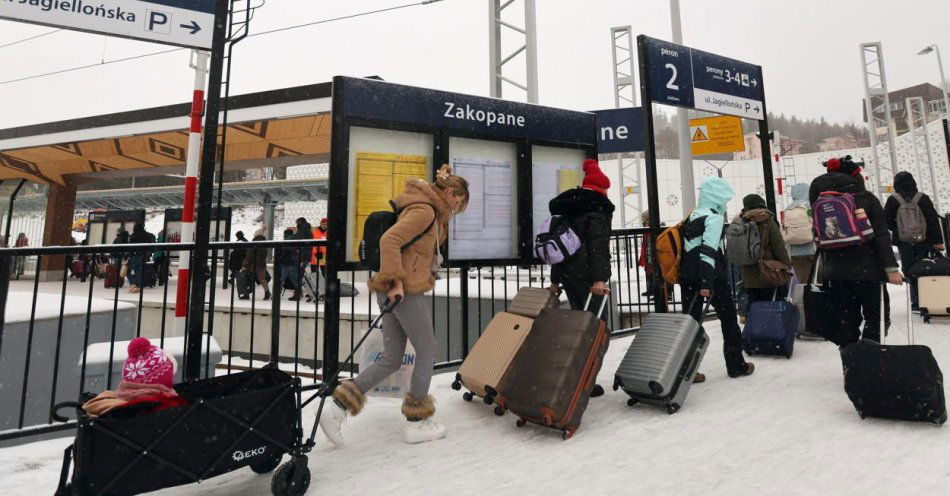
[[318, 234]]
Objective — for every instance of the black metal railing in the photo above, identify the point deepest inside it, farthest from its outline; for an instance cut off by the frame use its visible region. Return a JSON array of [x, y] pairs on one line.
[[58, 338]]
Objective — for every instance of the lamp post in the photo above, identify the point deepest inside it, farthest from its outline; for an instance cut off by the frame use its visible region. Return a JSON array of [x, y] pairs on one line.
[[943, 78]]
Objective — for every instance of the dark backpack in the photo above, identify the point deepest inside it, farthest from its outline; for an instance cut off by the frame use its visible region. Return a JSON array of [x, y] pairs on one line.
[[374, 228]]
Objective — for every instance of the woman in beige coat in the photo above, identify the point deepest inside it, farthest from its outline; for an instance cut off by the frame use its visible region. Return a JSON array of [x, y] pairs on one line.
[[424, 209]]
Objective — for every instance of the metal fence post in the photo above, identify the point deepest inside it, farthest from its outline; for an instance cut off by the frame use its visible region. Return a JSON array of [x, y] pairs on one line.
[[275, 313], [463, 274]]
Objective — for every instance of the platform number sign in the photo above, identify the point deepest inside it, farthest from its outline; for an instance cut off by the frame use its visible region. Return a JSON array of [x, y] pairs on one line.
[[686, 77]]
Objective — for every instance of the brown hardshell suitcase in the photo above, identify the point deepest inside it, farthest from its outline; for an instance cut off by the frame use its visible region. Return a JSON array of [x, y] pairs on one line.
[[489, 360], [552, 376], [530, 301]]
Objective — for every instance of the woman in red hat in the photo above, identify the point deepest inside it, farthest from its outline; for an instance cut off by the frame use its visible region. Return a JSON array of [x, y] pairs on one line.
[[590, 214]]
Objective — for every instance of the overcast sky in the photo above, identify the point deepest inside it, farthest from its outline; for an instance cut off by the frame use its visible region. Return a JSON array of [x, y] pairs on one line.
[[808, 50]]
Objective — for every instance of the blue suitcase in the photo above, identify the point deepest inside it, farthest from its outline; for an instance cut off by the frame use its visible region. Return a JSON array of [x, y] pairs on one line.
[[770, 328]]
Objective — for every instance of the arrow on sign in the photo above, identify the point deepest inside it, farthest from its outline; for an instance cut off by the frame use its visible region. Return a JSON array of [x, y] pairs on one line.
[[757, 109], [194, 27], [754, 82]]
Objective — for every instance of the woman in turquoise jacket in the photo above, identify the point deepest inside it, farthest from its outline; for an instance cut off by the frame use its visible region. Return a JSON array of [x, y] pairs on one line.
[[703, 270]]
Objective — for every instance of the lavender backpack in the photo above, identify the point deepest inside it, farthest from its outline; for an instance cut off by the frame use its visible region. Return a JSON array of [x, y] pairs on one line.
[[836, 224], [556, 241]]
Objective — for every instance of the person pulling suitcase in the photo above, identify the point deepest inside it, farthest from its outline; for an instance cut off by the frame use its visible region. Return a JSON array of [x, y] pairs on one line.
[[703, 270], [589, 213]]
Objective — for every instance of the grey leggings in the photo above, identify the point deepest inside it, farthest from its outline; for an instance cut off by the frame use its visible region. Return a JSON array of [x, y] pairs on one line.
[[412, 319]]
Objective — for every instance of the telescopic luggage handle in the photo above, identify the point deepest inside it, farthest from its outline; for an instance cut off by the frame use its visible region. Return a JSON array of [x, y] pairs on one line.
[[603, 303], [688, 310]]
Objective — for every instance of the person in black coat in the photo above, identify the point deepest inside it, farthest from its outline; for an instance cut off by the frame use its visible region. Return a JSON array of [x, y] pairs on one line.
[[590, 214], [856, 273], [288, 259], [906, 187]]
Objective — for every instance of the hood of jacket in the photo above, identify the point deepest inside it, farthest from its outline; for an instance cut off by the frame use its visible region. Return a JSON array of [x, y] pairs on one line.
[[799, 194], [905, 184], [757, 215], [714, 194], [836, 181], [579, 201], [418, 191]]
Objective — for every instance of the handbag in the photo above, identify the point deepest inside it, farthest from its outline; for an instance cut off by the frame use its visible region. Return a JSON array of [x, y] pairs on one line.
[[124, 271], [773, 272]]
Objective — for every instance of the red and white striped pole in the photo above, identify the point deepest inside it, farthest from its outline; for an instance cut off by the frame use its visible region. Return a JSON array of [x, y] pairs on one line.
[[200, 65]]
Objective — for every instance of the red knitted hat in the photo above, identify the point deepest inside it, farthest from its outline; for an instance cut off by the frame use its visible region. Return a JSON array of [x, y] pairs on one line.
[[148, 364], [594, 178]]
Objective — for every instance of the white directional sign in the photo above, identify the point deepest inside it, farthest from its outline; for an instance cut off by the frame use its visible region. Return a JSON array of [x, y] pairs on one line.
[[187, 23]]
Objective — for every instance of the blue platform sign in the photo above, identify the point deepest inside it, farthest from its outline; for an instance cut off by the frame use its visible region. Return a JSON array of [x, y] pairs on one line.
[[620, 130], [687, 77]]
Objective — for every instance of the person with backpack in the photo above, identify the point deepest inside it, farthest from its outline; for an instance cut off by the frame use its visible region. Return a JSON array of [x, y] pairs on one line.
[[914, 224], [409, 254], [855, 245], [798, 228], [589, 213], [772, 248], [703, 271]]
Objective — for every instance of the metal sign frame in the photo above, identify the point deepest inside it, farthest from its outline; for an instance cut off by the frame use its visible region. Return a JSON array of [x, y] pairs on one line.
[[649, 145]]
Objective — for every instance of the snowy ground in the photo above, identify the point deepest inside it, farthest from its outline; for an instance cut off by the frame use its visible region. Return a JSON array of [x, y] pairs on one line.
[[789, 429]]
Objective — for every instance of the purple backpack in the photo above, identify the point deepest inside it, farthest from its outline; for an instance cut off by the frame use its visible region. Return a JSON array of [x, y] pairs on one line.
[[837, 224], [556, 241]]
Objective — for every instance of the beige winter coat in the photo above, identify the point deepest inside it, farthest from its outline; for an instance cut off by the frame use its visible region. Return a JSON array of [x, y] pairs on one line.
[[420, 204]]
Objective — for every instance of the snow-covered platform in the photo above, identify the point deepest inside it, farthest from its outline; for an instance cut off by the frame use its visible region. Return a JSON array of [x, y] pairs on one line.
[[789, 429]]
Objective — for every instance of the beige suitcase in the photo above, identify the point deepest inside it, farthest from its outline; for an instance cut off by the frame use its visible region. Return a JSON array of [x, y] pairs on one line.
[[487, 363], [530, 301], [934, 296]]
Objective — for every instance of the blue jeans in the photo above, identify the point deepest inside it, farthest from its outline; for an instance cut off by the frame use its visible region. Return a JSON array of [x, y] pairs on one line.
[[136, 266], [289, 272]]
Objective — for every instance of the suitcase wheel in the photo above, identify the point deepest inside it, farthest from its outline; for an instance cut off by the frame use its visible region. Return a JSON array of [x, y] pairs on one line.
[[499, 411], [939, 421], [632, 402], [468, 396], [673, 408], [521, 422], [567, 434], [489, 399], [457, 384], [862, 415]]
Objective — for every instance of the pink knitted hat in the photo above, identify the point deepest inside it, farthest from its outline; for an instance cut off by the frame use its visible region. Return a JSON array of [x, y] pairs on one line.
[[148, 364]]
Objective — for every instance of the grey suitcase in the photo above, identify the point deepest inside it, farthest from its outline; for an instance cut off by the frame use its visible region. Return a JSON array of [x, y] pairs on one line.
[[662, 360], [530, 301]]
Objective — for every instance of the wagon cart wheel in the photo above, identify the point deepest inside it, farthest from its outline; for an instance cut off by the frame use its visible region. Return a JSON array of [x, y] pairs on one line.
[[631, 402], [291, 479], [267, 465]]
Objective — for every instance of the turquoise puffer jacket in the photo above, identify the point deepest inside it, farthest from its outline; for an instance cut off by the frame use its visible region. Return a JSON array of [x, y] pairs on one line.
[[703, 244]]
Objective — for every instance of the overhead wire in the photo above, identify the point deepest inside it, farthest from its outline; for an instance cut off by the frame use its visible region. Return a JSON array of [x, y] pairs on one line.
[[24, 40], [162, 52]]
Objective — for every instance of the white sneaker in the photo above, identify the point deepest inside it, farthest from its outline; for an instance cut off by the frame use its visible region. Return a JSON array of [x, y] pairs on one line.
[[331, 422], [423, 431]]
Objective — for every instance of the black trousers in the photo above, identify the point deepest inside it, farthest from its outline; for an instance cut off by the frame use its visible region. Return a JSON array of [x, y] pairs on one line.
[[860, 301], [910, 254], [725, 307], [577, 296]]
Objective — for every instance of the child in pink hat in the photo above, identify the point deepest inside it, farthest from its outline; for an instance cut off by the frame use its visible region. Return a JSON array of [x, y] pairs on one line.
[[147, 379]]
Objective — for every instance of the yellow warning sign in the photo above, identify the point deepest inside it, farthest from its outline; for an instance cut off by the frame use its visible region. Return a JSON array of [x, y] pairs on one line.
[[716, 135], [700, 134]]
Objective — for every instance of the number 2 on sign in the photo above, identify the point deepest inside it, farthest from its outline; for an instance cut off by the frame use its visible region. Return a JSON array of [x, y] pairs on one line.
[[671, 85]]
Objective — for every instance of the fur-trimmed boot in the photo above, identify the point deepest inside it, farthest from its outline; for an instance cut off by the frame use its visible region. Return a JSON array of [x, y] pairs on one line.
[[420, 427], [347, 399]]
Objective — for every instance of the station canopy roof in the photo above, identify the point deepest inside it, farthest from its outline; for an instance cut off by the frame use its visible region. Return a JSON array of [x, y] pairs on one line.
[[289, 126]]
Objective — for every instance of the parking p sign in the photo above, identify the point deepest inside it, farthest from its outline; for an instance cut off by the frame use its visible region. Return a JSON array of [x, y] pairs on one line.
[[186, 23]]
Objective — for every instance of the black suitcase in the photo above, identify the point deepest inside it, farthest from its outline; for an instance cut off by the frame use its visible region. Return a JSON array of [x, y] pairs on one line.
[[901, 382], [245, 283], [149, 279]]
